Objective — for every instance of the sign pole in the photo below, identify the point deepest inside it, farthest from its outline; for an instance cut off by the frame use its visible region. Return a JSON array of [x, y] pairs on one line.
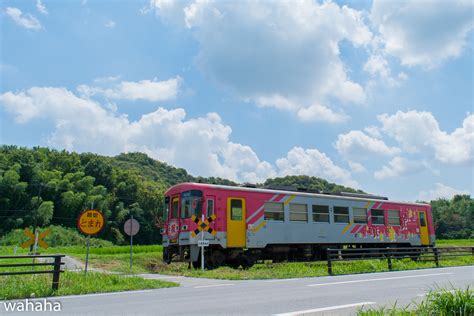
[[131, 243], [202, 248], [87, 252], [88, 245]]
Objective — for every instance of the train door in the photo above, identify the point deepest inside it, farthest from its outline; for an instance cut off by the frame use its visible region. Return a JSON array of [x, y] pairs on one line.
[[425, 238], [236, 227]]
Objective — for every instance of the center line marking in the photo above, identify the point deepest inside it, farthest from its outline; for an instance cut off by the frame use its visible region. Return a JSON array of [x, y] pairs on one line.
[[213, 285], [323, 309], [380, 279]]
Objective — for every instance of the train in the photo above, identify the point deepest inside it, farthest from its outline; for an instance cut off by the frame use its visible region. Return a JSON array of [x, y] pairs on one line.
[[245, 224]]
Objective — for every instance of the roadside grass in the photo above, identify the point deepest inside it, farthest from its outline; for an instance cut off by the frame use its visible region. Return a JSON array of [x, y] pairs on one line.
[[454, 242], [441, 301], [152, 263], [148, 259], [73, 283]]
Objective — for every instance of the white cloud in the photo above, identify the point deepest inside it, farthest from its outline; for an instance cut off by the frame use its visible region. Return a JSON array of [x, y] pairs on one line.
[[319, 112], [281, 54], [312, 162], [109, 24], [149, 90], [357, 167], [440, 191], [201, 145], [24, 20], [41, 7], [400, 166], [424, 33], [416, 131], [358, 145]]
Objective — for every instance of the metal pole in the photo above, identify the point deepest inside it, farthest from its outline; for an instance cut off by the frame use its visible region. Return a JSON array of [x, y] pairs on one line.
[[202, 247], [88, 245], [36, 214], [131, 242], [87, 252]]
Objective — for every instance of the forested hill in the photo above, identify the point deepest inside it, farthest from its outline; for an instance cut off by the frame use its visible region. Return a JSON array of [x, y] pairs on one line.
[[60, 184]]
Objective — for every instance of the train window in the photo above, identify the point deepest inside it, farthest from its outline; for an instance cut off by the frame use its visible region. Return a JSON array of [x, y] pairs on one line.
[[175, 207], [377, 217], [341, 214], [210, 207], [298, 212], [394, 217], [236, 210], [167, 208], [321, 213], [186, 208], [191, 203], [422, 219], [360, 215], [274, 212]]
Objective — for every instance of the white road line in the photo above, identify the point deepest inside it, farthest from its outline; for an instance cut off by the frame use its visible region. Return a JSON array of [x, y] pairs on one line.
[[281, 280], [323, 309], [213, 285], [381, 279]]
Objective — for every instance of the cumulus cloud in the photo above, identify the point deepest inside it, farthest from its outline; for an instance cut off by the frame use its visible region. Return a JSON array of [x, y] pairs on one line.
[[412, 30], [418, 130], [400, 166], [440, 191], [202, 145], [25, 20], [312, 162], [358, 145], [41, 7], [149, 90], [281, 54]]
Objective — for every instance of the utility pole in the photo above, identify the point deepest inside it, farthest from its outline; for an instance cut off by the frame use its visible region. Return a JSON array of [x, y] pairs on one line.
[[35, 214]]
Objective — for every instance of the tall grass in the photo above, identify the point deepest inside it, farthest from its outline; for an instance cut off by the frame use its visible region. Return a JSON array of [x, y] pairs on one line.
[[442, 302]]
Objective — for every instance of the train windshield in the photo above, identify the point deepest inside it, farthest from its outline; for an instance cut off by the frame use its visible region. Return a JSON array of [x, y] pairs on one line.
[[191, 203]]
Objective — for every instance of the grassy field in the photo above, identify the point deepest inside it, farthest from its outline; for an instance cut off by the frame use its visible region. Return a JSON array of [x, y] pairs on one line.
[[439, 302], [28, 286], [148, 259]]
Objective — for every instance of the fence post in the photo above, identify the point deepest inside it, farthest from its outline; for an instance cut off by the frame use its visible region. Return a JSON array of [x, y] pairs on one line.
[[389, 259], [57, 272], [329, 261], [436, 256]]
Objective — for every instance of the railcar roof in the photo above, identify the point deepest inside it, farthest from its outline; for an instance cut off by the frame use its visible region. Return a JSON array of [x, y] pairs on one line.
[[266, 190]]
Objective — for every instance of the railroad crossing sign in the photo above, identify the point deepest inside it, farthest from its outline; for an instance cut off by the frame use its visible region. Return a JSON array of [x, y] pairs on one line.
[[203, 225], [91, 222], [40, 242]]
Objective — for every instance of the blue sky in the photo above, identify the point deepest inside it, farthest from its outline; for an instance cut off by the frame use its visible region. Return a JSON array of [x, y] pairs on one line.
[[375, 95]]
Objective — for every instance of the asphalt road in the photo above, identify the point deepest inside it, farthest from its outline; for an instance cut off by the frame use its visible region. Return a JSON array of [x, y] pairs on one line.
[[337, 295]]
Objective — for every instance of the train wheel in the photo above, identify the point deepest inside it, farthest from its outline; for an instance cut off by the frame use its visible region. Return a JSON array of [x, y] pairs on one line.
[[247, 261], [197, 264], [217, 258], [167, 256]]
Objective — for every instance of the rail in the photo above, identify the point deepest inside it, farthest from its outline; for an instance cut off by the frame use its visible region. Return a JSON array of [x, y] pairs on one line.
[[390, 254], [56, 264]]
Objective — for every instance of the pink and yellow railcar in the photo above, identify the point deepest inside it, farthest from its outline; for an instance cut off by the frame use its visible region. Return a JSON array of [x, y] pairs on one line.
[[245, 224]]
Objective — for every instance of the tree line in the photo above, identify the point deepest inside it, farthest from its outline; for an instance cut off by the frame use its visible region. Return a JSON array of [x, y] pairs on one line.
[[41, 187]]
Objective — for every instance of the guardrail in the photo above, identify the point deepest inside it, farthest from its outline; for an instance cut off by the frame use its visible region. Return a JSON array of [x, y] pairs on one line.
[[415, 253], [56, 271]]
